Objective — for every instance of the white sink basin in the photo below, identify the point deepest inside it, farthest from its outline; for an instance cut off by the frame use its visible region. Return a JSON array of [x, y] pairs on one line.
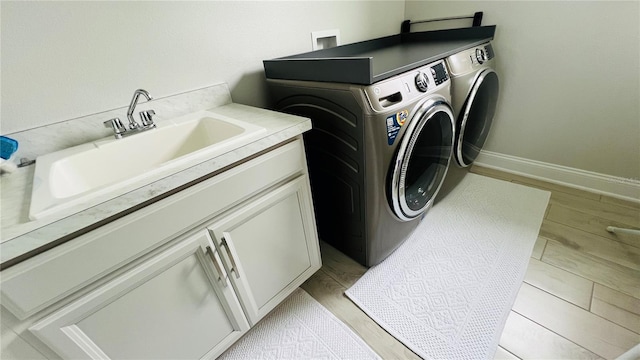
[[85, 175]]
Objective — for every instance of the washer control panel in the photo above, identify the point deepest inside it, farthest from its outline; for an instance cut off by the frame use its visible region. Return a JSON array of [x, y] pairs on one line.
[[439, 73], [407, 86]]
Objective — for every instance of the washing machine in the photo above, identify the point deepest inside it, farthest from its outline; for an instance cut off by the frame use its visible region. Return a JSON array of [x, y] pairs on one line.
[[474, 96], [377, 154]]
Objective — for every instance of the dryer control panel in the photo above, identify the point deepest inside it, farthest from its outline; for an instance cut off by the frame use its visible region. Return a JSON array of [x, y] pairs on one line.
[[470, 60]]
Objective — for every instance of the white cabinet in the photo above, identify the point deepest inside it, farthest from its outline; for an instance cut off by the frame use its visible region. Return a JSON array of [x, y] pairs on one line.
[[172, 306], [184, 277], [269, 247]]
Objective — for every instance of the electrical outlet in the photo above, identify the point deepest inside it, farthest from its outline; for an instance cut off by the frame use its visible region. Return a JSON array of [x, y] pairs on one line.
[[325, 39]]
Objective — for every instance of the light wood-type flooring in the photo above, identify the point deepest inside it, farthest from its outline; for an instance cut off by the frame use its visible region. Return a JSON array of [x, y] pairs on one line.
[[580, 298]]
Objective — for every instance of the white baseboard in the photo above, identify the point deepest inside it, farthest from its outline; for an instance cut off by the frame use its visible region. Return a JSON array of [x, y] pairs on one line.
[[618, 187]]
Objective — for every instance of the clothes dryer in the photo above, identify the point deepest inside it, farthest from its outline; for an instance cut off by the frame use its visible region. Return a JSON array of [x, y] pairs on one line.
[[474, 95], [377, 154]]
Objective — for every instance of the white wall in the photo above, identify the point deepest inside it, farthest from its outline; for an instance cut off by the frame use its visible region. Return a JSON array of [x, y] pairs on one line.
[[570, 80], [62, 60]]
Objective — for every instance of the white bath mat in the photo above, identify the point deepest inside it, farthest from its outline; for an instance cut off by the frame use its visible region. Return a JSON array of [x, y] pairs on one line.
[[447, 291], [300, 328]]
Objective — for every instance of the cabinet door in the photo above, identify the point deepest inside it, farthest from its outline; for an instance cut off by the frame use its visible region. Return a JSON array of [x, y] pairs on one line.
[[269, 246], [176, 305]]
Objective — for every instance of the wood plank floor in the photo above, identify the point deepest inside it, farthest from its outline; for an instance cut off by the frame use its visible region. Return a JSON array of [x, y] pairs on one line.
[[580, 298]]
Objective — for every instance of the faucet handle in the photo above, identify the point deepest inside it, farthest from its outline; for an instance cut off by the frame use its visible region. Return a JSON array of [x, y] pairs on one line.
[[147, 118], [117, 126]]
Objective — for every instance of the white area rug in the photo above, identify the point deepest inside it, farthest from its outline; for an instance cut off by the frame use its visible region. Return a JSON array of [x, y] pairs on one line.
[[300, 328], [447, 291]]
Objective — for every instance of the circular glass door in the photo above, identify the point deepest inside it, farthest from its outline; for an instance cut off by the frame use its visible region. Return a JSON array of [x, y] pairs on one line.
[[476, 116], [421, 161]]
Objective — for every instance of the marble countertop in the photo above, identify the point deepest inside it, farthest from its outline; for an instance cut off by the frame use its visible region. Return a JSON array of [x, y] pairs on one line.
[[22, 238]]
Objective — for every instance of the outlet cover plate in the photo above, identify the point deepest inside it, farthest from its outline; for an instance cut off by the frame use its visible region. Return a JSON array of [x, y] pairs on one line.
[[325, 39]]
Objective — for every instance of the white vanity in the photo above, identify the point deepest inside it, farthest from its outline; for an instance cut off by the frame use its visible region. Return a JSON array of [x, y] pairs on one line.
[[184, 272]]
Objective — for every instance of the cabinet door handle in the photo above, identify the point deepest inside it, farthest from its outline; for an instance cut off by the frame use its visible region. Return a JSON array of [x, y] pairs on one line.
[[234, 267], [217, 266]]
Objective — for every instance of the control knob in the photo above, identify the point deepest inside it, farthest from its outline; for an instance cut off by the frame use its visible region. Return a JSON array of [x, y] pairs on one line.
[[481, 56], [422, 82]]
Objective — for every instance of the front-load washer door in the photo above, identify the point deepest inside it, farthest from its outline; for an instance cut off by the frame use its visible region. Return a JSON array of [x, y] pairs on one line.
[[476, 116], [421, 161]]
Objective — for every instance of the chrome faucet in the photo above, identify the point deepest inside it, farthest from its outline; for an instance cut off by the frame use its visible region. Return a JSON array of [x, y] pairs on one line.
[[134, 101], [146, 117]]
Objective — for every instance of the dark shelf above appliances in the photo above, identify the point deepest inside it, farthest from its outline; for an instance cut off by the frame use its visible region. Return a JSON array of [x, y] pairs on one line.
[[370, 61]]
